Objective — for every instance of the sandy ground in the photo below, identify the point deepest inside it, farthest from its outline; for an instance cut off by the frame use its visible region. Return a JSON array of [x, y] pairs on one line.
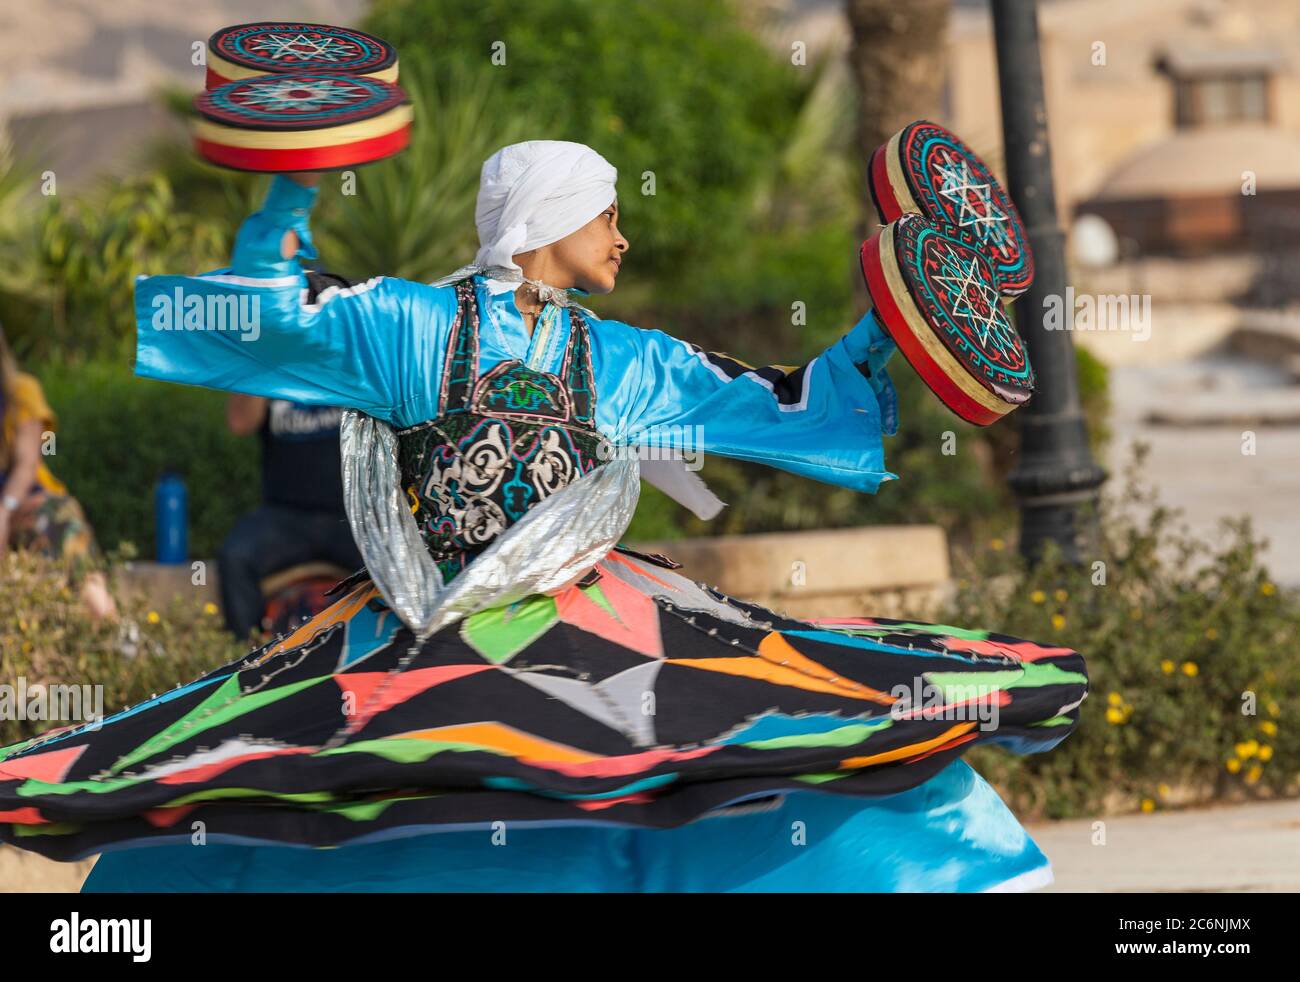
[[26, 872], [1234, 849]]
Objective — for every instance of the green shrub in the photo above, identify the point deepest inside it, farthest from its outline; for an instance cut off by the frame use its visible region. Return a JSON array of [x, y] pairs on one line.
[[118, 433], [1194, 685], [46, 639], [77, 296], [679, 87], [1094, 394]]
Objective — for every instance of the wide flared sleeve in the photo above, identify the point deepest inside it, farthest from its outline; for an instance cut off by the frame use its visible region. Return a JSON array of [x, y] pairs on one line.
[[263, 327], [825, 419]]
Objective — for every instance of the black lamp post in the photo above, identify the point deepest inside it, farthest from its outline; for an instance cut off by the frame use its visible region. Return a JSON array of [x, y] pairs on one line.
[[1056, 479]]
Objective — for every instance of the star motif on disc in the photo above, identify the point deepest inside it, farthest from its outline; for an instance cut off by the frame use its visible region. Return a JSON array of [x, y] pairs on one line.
[[300, 93], [974, 201], [283, 47], [979, 304]]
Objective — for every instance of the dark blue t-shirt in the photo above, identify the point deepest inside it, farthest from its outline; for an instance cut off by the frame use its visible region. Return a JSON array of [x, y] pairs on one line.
[[300, 456]]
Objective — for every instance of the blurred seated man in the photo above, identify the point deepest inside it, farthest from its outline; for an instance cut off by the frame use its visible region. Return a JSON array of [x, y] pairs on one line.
[[301, 518]]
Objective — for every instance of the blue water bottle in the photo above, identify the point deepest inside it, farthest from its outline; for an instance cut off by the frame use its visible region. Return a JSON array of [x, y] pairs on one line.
[[170, 518]]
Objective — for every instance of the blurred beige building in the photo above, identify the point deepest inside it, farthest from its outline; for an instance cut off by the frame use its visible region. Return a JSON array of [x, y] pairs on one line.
[[1166, 116]]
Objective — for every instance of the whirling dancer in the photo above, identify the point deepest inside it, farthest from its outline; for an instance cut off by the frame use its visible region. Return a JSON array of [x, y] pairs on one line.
[[506, 698]]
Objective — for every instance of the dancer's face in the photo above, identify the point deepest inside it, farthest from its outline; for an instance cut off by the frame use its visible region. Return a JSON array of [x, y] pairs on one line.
[[588, 258]]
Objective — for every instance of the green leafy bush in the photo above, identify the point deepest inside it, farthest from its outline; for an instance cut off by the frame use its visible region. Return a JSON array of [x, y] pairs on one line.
[[1194, 685], [46, 639], [118, 433], [679, 88], [78, 295]]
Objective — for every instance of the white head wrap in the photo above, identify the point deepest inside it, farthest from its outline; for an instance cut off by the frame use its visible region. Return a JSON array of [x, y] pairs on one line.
[[530, 195]]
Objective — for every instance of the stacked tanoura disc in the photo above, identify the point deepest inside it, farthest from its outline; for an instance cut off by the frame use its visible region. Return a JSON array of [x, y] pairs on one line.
[[286, 96], [953, 251]]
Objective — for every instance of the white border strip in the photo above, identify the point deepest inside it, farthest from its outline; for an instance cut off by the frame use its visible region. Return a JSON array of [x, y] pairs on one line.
[[329, 293], [797, 407], [270, 283]]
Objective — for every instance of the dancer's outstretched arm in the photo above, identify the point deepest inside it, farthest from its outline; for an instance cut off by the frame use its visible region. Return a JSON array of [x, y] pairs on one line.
[[265, 327], [824, 419]]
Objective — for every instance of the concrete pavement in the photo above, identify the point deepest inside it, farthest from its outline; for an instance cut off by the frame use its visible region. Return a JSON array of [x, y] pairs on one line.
[[1233, 848]]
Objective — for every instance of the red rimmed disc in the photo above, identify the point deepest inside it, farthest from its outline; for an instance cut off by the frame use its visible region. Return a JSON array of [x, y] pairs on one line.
[[308, 121], [926, 169], [937, 295], [291, 47]]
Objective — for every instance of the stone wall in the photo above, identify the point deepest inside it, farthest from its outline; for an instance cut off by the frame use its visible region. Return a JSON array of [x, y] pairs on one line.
[[885, 570]]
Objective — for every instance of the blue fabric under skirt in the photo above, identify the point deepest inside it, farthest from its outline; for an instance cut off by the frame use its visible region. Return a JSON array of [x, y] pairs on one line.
[[951, 834]]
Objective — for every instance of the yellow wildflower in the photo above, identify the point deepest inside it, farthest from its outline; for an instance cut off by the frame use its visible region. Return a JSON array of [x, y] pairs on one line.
[[1254, 774], [1061, 596], [1058, 621], [1267, 589], [1115, 699], [1167, 666], [209, 608], [997, 545], [1265, 752], [1268, 728], [1190, 668], [1114, 715], [1211, 633], [1233, 765], [1038, 596], [1247, 748], [153, 617], [1162, 789], [1148, 805]]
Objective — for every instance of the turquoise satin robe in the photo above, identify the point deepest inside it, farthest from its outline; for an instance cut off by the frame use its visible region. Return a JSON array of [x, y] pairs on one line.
[[375, 347]]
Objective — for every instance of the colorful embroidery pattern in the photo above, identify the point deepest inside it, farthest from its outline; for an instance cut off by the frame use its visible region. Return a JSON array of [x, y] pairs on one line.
[[947, 178], [295, 47], [303, 101], [953, 283], [501, 444]]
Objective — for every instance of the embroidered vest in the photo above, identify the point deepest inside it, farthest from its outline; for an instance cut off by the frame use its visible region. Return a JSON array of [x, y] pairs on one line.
[[501, 442]]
